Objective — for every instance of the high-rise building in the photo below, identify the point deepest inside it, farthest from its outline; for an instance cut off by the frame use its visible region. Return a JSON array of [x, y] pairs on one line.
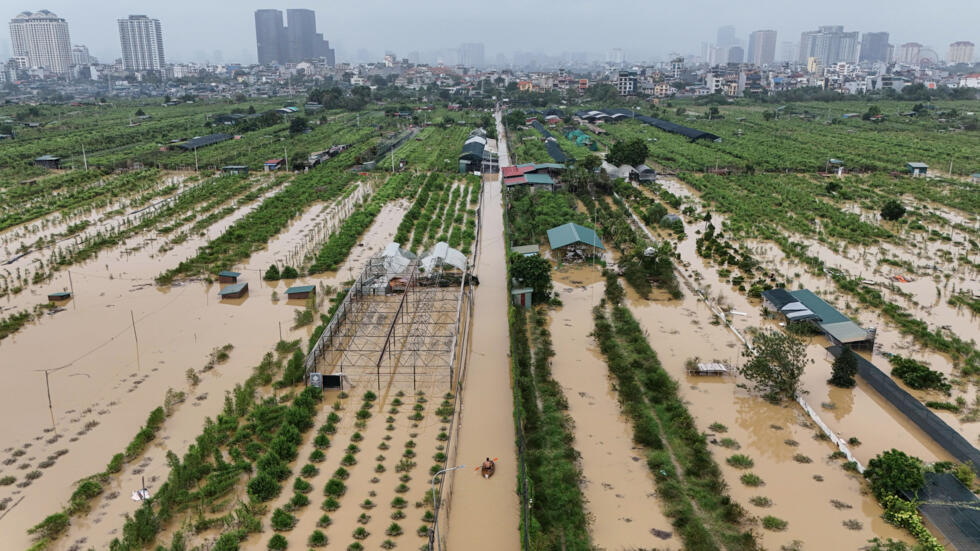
[[874, 47], [960, 52], [141, 40], [726, 36], [762, 48], [471, 54], [270, 37], [829, 44], [41, 38], [787, 51], [616, 56], [295, 42], [736, 54], [908, 53], [80, 56]]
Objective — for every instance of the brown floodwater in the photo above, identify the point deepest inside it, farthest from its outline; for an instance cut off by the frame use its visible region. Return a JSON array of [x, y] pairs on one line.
[[618, 487], [485, 514]]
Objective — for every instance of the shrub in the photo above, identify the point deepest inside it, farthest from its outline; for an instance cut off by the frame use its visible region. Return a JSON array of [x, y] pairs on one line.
[[917, 375], [399, 503], [760, 501], [317, 539], [770, 522], [321, 441], [334, 488], [317, 456], [277, 542], [718, 427], [51, 527], [7, 480], [263, 487], [360, 533], [115, 464], [740, 461], [729, 443], [330, 504], [800, 458], [893, 472], [302, 486], [750, 479], [282, 521], [309, 471], [423, 530], [298, 501], [324, 521], [348, 460], [394, 529]]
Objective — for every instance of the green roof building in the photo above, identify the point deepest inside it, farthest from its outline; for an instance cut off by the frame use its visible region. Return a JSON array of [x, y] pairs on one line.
[[573, 234]]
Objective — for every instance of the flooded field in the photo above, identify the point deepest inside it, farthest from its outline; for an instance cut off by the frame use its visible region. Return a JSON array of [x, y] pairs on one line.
[[618, 486]]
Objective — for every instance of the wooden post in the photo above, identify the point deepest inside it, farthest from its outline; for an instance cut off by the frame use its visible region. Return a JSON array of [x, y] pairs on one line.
[[74, 303], [137, 339]]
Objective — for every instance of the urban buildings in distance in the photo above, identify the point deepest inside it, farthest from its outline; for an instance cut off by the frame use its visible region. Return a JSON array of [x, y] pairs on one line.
[[41, 40], [296, 41], [141, 40], [875, 47], [828, 45], [960, 52], [762, 48]]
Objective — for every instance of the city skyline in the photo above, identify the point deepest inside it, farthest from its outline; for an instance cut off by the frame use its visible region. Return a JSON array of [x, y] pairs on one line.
[[356, 34]]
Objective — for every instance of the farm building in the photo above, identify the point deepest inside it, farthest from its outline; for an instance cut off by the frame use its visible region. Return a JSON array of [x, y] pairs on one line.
[[645, 173], [227, 276], [803, 305], [536, 181], [204, 141], [573, 238], [235, 169], [273, 164], [475, 157], [526, 250], [55, 297], [626, 172], [917, 169], [237, 290], [520, 295], [300, 291], [48, 161]]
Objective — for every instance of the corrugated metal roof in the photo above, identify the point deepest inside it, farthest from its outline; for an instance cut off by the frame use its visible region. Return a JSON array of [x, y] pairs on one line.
[[228, 273], [300, 289], [562, 236], [443, 254], [845, 331], [526, 249], [232, 289], [828, 314], [917, 165]]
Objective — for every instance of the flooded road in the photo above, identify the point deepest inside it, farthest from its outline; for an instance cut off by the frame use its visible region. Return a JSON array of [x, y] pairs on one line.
[[618, 487], [485, 514]]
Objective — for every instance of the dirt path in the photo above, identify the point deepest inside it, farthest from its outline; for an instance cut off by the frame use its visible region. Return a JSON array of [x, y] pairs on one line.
[[484, 514]]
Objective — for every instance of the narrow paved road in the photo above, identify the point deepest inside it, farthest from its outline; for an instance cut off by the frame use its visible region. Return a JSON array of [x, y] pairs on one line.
[[484, 514]]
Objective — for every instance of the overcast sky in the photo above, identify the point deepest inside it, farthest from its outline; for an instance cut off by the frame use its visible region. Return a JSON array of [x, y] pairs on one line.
[[223, 30]]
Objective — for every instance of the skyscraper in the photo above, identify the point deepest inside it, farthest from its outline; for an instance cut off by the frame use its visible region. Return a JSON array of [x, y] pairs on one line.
[[829, 44], [298, 41], [960, 52], [471, 54], [80, 55], [736, 54], [762, 47], [726, 36], [141, 40], [908, 53], [874, 47], [270, 37], [42, 38]]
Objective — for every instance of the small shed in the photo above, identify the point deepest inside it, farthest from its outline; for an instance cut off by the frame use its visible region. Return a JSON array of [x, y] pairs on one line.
[[645, 174], [237, 290], [235, 169], [48, 161], [520, 295], [526, 250], [56, 297], [300, 291], [671, 219], [226, 276], [975, 178], [708, 368], [917, 169], [273, 165]]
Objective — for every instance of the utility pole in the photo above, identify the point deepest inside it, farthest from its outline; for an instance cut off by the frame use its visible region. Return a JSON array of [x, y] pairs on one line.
[[136, 338], [84, 158], [196, 168], [286, 157], [74, 301]]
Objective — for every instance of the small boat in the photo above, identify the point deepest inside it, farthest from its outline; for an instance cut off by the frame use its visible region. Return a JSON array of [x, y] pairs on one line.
[[487, 472]]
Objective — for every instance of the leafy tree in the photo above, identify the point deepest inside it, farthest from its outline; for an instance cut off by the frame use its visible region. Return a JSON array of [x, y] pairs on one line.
[[140, 113], [142, 528], [288, 272], [632, 152], [893, 210], [872, 111], [894, 471], [590, 163], [298, 125], [844, 369], [277, 542], [534, 272], [281, 520], [51, 527], [251, 109], [272, 274], [776, 366], [263, 487], [514, 119], [833, 187]]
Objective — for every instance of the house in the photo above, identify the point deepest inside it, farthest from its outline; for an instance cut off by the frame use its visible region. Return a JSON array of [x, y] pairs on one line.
[[273, 164], [526, 250], [537, 181], [574, 237], [626, 172], [804, 306], [237, 290], [917, 169], [57, 297], [227, 276], [645, 174], [203, 141], [300, 291], [48, 161], [235, 169]]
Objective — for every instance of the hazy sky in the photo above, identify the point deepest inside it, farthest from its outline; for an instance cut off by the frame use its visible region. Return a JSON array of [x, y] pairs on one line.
[[645, 29]]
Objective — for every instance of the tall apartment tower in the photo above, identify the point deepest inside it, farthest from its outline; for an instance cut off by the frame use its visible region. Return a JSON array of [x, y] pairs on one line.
[[472, 54], [874, 47], [762, 48], [42, 39], [300, 34], [726, 36], [829, 44], [908, 53], [960, 52], [270, 37], [141, 40]]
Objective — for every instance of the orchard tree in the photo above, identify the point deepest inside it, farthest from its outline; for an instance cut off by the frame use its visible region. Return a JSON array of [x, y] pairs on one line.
[[844, 369], [893, 472], [632, 152], [776, 365], [534, 272], [893, 210]]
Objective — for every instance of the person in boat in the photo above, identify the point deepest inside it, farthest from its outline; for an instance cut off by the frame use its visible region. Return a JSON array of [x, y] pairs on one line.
[[487, 465]]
